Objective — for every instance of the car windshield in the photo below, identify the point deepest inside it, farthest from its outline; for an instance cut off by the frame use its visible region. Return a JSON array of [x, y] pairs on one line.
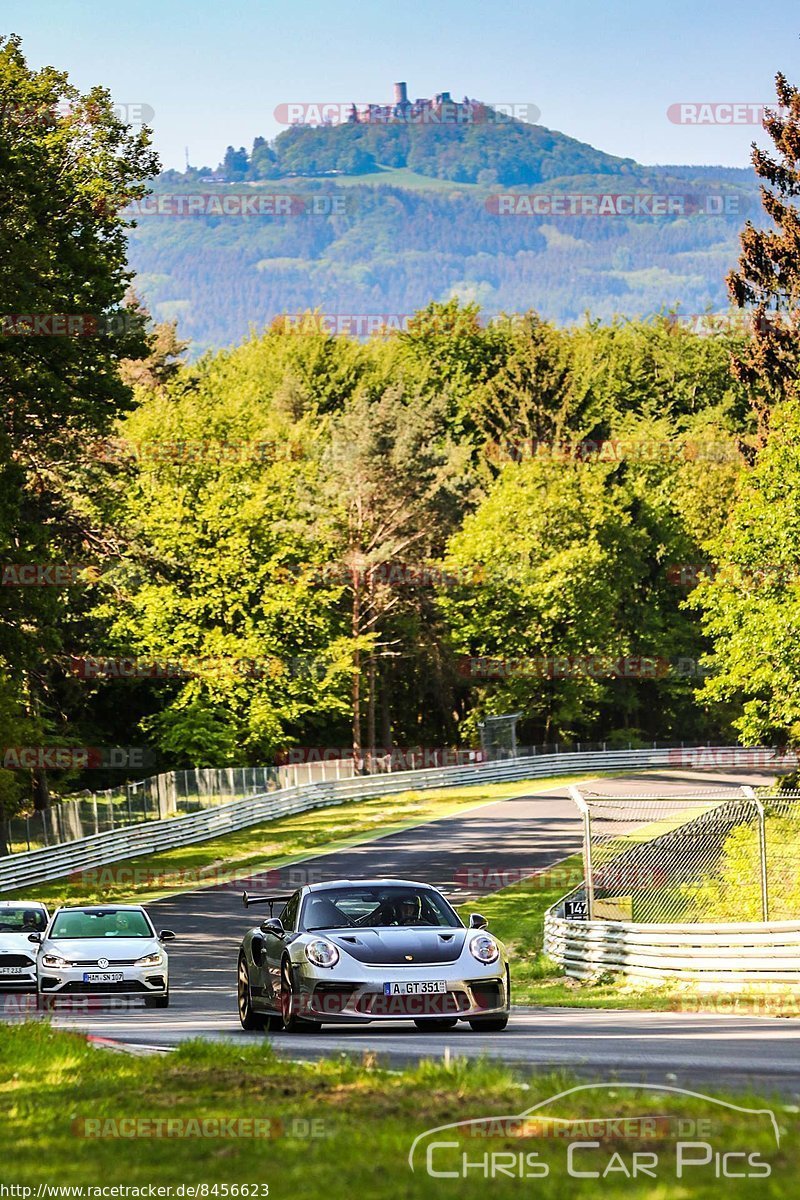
[[20, 919], [377, 908], [101, 923]]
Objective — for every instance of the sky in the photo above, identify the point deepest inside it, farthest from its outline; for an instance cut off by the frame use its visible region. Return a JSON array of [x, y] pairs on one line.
[[213, 73]]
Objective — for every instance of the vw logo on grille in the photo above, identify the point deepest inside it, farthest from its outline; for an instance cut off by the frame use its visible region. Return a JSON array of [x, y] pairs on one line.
[[102, 962]]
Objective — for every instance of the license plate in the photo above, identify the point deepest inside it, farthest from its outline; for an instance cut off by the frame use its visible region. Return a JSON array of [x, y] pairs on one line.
[[414, 988], [13, 970], [103, 977]]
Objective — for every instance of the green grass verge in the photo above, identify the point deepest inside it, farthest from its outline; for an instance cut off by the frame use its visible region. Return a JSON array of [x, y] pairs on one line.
[[363, 1120], [400, 177], [274, 844]]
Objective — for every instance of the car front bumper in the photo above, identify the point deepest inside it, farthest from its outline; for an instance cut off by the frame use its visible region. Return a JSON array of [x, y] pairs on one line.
[[25, 981], [64, 982], [341, 996]]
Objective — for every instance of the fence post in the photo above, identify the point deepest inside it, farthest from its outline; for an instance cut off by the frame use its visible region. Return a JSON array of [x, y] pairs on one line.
[[588, 877], [762, 849]]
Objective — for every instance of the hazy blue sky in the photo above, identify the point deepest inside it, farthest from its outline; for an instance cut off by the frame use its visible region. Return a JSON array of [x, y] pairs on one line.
[[604, 72]]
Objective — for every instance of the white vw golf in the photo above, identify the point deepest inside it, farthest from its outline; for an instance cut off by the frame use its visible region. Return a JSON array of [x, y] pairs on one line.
[[102, 950]]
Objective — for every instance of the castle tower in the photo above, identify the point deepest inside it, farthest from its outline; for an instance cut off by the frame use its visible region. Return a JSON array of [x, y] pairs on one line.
[[400, 93]]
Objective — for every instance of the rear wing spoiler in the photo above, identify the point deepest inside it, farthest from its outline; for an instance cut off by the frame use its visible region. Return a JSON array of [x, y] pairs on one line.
[[283, 898]]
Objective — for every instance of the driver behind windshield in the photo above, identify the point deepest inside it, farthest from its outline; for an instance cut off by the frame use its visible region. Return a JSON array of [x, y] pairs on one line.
[[407, 910]]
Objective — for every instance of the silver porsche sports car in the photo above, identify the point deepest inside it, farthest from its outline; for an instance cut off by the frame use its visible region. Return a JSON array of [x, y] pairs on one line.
[[371, 950]]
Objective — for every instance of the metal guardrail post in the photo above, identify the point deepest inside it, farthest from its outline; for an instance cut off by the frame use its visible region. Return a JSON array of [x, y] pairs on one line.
[[588, 874], [762, 849]]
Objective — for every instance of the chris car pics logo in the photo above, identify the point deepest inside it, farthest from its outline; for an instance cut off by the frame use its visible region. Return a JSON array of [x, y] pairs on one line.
[[710, 1140]]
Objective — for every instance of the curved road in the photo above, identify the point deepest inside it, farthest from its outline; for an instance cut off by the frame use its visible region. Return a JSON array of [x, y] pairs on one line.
[[490, 844]]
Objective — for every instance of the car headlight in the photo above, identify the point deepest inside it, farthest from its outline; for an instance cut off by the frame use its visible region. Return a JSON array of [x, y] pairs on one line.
[[484, 948], [150, 960], [55, 960], [322, 953]]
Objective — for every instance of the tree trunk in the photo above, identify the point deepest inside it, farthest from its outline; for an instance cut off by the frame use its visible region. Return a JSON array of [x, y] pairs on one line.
[[371, 713], [386, 709], [356, 695], [41, 790]]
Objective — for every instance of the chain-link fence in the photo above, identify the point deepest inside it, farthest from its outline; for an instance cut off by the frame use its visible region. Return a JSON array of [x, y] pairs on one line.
[[176, 792], [150, 799], [706, 855]]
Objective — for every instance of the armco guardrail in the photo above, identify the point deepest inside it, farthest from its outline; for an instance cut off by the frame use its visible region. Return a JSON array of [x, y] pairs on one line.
[[55, 862], [736, 955]]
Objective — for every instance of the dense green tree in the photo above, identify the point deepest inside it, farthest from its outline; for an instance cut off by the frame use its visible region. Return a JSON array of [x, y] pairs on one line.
[[397, 484], [750, 606], [68, 166], [767, 281], [577, 622]]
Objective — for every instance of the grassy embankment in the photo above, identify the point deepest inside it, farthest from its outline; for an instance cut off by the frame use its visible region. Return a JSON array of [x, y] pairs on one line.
[[55, 1088]]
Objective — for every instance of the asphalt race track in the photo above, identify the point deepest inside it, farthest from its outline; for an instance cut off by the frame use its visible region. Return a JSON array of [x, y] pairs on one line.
[[498, 842]]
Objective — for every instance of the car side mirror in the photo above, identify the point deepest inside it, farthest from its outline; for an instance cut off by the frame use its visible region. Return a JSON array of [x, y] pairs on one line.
[[35, 937], [273, 925], [476, 921], [166, 935]]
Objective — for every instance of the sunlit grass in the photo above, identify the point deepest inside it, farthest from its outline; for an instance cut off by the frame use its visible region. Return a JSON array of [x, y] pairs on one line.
[[364, 1117]]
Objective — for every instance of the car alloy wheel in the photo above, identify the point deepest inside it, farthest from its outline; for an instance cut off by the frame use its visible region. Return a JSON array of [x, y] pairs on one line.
[[248, 1019], [292, 1023]]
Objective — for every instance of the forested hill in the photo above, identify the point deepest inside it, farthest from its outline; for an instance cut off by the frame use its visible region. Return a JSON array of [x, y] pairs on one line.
[[489, 148], [382, 219]]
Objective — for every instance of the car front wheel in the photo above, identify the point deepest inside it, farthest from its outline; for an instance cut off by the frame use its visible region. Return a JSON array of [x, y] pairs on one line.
[[290, 1003]]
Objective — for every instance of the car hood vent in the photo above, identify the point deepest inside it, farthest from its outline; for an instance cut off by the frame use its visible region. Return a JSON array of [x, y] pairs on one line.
[[401, 946]]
